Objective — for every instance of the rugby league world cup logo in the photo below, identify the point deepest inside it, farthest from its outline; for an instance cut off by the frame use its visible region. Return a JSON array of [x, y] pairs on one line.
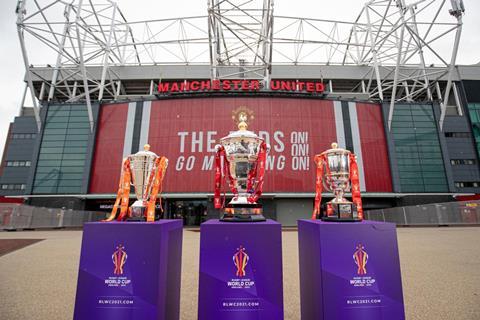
[[361, 258], [240, 259], [119, 257]]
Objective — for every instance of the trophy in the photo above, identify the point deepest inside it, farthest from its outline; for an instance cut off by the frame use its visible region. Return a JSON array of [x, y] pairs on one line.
[[337, 171], [240, 158], [145, 171]]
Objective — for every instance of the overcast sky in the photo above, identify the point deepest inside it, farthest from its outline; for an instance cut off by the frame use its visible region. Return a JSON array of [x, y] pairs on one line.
[[12, 70]]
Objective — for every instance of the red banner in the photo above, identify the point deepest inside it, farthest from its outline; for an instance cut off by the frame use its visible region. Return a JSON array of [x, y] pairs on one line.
[[187, 130]]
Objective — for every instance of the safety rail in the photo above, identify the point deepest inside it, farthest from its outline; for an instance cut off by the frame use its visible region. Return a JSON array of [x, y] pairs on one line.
[[20, 216], [437, 214]]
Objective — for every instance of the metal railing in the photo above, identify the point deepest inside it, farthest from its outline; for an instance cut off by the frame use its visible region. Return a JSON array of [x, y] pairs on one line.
[[437, 214], [19, 216]]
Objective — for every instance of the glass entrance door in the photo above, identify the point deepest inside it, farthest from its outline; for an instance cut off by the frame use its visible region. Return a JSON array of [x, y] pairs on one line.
[[193, 212]]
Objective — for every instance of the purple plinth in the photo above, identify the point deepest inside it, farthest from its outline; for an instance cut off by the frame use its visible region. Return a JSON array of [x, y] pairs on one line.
[[130, 270], [240, 271], [349, 271]]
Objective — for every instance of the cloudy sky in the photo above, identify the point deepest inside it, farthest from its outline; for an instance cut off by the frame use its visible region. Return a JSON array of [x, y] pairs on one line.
[[12, 70]]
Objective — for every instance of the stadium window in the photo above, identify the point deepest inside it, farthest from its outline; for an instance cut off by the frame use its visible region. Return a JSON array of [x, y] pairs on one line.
[[457, 134], [456, 162], [15, 186], [468, 184], [24, 135], [18, 163]]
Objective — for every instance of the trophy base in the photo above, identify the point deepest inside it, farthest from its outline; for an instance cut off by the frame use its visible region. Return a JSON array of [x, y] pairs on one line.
[[136, 219], [332, 219], [243, 213], [138, 213], [340, 212]]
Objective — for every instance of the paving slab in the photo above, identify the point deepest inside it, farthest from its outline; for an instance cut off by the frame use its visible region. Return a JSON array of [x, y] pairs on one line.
[[440, 273]]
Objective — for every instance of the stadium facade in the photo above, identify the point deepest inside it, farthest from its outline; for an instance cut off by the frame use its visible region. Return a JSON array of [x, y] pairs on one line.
[[413, 126]]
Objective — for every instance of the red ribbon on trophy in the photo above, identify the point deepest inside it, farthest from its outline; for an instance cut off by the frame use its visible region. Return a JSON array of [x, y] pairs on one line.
[[218, 177], [355, 181], [222, 172], [256, 175], [319, 161]]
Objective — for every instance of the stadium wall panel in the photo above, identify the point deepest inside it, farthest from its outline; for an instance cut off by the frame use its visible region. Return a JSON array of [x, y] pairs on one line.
[[186, 131]]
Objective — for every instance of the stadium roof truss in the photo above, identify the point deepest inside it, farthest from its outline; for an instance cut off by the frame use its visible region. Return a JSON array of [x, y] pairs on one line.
[[404, 47]]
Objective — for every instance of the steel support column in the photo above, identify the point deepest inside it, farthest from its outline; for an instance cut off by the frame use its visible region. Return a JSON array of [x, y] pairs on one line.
[[451, 70], [20, 16], [82, 66]]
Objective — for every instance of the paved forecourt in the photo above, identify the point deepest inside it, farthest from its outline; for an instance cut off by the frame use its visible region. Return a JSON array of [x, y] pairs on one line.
[[440, 270]]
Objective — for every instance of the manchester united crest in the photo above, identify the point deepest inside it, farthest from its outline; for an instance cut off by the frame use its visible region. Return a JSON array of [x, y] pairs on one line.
[[242, 114]]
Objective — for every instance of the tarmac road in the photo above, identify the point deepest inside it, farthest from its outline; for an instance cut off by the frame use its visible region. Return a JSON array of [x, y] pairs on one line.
[[440, 273]]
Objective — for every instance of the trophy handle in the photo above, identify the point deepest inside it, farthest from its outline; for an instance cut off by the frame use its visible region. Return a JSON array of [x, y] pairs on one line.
[[257, 173], [355, 185], [219, 154]]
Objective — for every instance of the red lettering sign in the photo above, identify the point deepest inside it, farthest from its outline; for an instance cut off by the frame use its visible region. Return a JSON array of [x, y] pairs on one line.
[[240, 85]]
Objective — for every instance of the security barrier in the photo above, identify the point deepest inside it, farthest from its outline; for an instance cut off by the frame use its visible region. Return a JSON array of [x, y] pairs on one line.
[[19, 216], [437, 214]]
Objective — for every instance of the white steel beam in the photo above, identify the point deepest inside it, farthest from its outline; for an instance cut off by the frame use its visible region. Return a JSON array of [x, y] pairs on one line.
[[237, 39], [82, 66], [397, 67], [451, 69], [20, 16], [60, 52], [22, 103], [107, 53], [373, 49]]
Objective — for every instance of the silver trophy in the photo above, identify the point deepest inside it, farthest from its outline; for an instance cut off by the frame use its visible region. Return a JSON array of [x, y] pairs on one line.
[[142, 166], [244, 169], [337, 166], [144, 171], [337, 175]]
